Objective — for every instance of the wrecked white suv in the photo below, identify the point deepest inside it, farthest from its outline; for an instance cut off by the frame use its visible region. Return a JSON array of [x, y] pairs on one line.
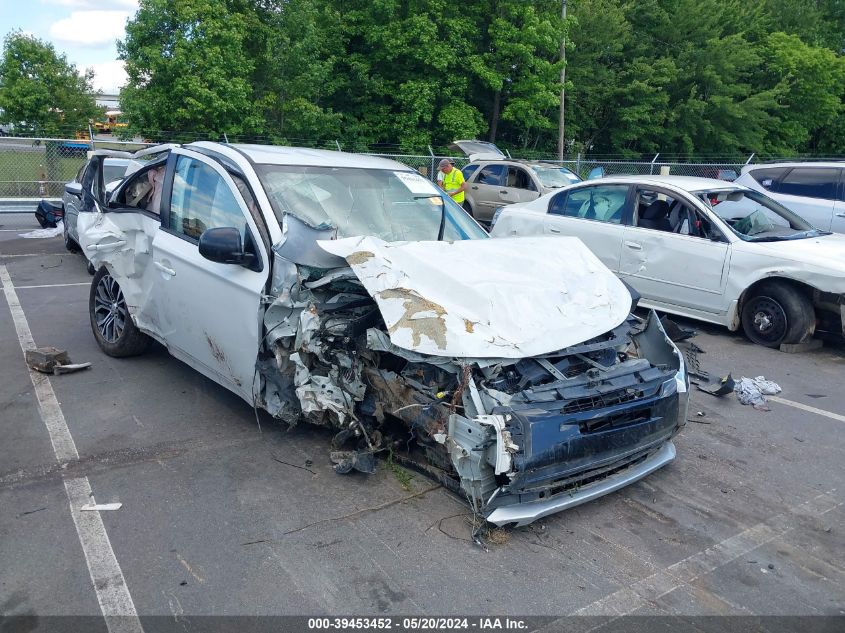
[[349, 292]]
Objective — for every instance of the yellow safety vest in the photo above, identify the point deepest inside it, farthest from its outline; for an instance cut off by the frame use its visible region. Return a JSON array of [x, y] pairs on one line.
[[453, 180]]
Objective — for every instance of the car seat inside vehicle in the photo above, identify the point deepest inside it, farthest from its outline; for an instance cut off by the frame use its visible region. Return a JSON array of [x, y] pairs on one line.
[[655, 216]]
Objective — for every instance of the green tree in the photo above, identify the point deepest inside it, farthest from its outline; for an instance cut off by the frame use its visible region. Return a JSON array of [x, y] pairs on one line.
[[190, 70], [42, 93]]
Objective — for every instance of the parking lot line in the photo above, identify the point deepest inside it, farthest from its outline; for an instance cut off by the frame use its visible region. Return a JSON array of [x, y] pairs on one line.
[[644, 592], [109, 584], [808, 408], [77, 283]]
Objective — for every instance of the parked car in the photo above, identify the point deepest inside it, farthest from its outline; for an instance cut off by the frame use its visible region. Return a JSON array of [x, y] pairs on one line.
[[349, 292], [113, 169], [813, 190], [702, 248], [494, 180]]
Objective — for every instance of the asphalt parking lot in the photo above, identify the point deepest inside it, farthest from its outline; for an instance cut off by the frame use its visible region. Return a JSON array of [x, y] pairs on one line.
[[219, 517]]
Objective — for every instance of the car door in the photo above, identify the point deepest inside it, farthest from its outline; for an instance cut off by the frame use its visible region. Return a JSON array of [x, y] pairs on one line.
[[679, 259], [485, 190], [838, 223], [209, 312], [519, 186], [72, 199], [810, 192], [594, 214]]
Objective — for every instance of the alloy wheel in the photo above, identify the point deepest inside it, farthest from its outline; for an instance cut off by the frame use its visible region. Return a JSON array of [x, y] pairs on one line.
[[109, 309]]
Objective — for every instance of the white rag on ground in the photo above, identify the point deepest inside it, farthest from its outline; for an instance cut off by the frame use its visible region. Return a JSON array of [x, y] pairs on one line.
[[753, 391], [41, 233]]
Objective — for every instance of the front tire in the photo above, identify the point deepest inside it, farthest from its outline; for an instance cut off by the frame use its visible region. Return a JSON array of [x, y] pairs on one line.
[[778, 314], [111, 322]]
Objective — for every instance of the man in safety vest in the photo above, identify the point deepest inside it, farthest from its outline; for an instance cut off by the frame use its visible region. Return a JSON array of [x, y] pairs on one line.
[[452, 182]]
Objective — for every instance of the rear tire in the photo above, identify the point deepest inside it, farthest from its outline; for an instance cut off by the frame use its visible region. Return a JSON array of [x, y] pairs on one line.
[[70, 243], [111, 322], [778, 314]]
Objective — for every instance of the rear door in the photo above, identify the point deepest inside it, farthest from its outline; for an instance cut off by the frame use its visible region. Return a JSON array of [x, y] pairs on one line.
[[684, 263], [594, 214], [810, 192], [209, 312], [72, 201], [838, 223]]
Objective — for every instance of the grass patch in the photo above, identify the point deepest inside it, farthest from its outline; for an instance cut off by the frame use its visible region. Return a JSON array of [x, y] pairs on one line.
[[403, 475]]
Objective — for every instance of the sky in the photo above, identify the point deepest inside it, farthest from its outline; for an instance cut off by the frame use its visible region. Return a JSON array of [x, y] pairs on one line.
[[83, 30]]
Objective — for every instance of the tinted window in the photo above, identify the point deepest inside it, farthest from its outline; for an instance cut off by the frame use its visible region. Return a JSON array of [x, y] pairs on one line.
[[468, 171], [492, 175], [520, 179], [202, 200], [605, 203], [769, 177], [810, 182]]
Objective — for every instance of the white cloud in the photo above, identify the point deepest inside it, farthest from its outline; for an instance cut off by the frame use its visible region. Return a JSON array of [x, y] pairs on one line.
[[109, 77], [90, 28]]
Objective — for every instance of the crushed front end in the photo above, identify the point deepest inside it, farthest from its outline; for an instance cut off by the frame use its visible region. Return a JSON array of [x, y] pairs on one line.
[[519, 436]]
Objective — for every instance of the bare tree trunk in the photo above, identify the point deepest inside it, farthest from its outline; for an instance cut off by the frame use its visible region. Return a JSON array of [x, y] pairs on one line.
[[494, 118], [561, 141]]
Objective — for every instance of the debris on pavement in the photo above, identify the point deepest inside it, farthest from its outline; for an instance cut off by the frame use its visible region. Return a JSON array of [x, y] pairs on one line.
[[714, 385], [753, 391], [101, 507], [676, 332], [44, 233], [50, 360]]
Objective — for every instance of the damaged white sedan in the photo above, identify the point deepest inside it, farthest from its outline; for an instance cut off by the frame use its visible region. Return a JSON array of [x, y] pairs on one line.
[[349, 292]]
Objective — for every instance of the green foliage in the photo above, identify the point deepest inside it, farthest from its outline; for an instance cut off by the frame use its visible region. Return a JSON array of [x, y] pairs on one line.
[[676, 76], [188, 69], [40, 92]]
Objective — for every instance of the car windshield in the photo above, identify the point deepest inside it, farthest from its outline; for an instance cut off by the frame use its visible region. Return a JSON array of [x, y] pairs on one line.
[[392, 205], [553, 177], [755, 217]]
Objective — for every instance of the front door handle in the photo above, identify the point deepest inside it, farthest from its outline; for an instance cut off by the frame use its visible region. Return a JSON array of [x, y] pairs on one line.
[[165, 269], [503, 191], [554, 230], [840, 215], [474, 187], [634, 245]]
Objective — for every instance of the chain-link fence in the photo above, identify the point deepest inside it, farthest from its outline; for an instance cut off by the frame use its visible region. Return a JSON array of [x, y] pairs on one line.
[[34, 168]]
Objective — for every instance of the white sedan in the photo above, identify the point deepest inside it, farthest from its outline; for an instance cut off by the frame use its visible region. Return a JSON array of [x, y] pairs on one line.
[[701, 248]]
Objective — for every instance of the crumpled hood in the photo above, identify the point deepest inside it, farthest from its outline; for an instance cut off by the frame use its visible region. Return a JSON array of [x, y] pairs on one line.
[[503, 298]]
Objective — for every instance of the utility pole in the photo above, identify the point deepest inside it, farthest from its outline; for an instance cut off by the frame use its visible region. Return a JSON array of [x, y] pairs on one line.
[[561, 142]]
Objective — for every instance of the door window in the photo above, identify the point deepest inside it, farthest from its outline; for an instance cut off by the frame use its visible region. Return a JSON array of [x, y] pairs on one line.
[[605, 203], [519, 179], [202, 200], [469, 170], [810, 182], [769, 177], [492, 175]]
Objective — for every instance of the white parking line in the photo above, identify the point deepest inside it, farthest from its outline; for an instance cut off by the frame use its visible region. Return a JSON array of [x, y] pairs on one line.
[[644, 592], [109, 584], [80, 283], [807, 407]]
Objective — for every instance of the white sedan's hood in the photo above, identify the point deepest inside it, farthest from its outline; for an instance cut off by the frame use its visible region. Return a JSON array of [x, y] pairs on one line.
[[825, 250], [503, 298]]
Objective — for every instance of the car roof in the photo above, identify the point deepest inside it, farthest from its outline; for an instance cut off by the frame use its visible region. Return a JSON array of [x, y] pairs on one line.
[[687, 183], [795, 163], [114, 160], [281, 155]]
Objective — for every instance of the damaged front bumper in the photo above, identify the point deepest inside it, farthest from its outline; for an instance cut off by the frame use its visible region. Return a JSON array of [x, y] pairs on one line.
[[520, 514]]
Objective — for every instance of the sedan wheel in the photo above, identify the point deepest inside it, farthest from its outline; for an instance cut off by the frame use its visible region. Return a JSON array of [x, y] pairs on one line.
[[777, 314]]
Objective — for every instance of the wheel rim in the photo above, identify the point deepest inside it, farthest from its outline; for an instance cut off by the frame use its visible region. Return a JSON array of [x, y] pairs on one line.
[[109, 309], [768, 320]]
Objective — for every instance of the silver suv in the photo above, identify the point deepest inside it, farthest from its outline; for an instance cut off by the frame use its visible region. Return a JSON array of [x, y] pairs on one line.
[[813, 190], [495, 180]]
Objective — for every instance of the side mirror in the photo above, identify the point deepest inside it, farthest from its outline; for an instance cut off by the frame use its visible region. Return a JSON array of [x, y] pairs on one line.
[[224, 245], [596, 172], [74, 189]]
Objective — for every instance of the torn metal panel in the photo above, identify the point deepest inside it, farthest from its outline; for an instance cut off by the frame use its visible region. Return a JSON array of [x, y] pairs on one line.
[[487, 298], [123, 243]]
